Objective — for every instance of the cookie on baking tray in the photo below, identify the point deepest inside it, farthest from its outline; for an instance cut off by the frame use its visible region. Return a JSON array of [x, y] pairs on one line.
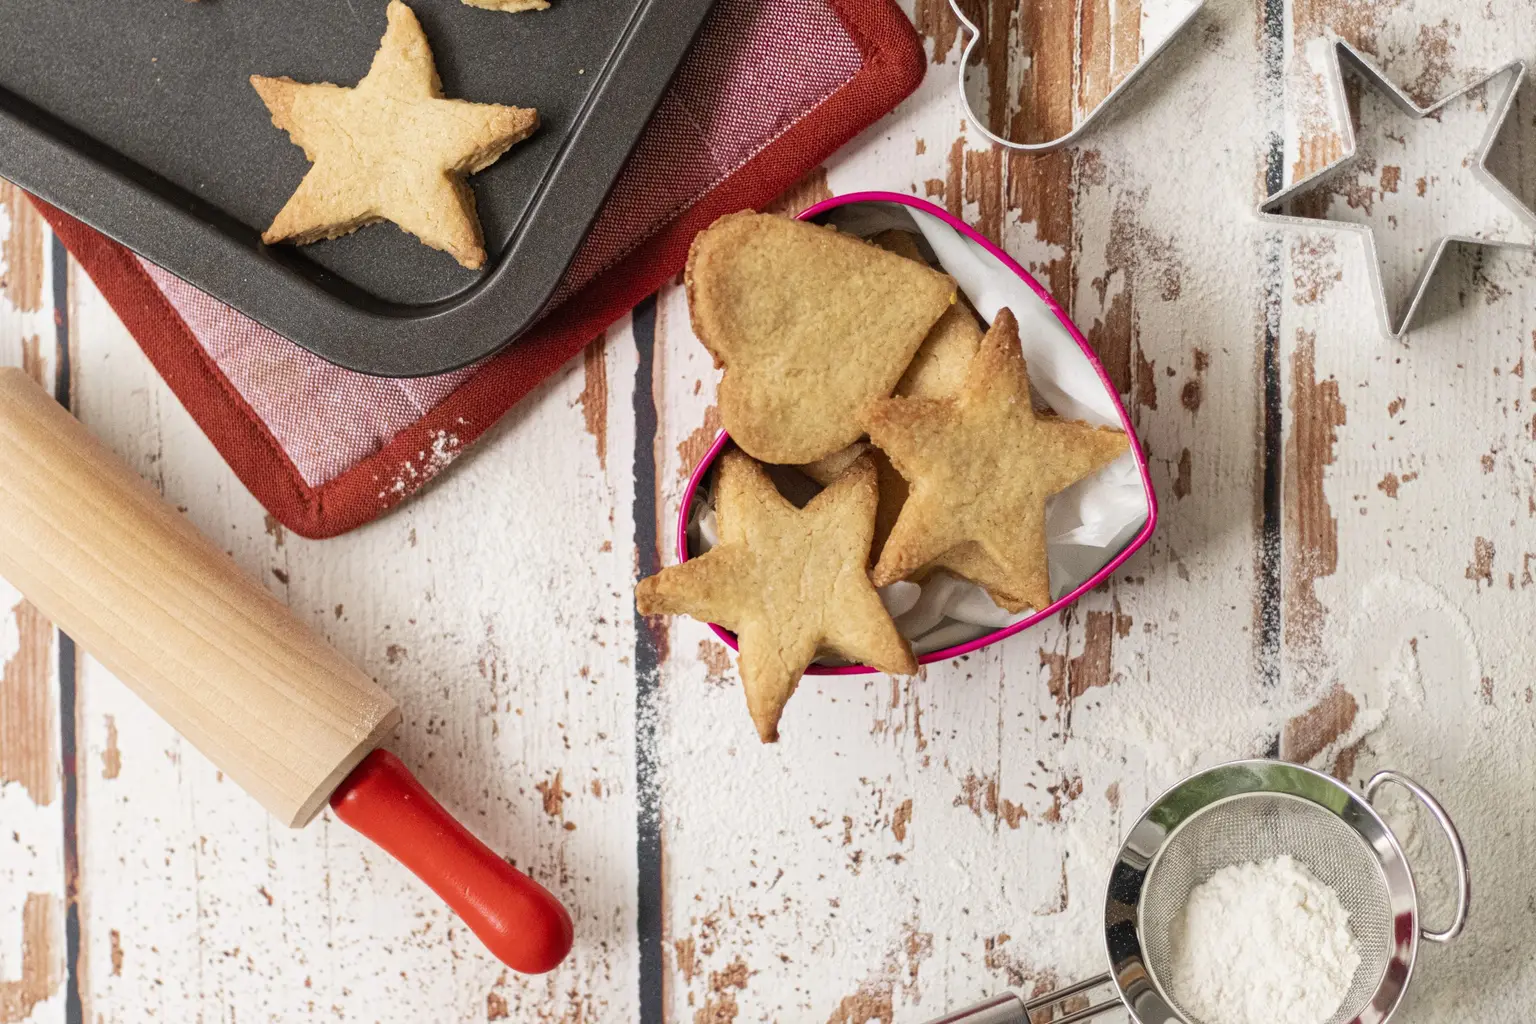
[[808, 324], [510, 5], [980, 466], [790, 582], [391, 148]]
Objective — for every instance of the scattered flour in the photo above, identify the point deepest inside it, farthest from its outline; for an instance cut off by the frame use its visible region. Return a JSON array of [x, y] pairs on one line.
[[1265, 943], [428, 462]]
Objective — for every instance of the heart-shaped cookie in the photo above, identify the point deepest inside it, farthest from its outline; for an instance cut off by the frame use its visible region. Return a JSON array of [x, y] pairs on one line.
[[809, 325]]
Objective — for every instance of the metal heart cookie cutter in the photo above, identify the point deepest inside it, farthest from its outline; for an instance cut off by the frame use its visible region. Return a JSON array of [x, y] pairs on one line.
[[1279, 207], [1165, 25]]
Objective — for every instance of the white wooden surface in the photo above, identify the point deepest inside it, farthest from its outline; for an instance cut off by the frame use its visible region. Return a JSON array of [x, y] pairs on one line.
[[909, 845]]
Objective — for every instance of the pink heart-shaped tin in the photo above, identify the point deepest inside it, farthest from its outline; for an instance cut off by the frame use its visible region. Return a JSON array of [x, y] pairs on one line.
[[1113, 561]]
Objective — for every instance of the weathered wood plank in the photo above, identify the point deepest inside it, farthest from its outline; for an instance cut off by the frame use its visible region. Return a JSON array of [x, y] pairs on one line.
[[908, 846], [1409, 476], [1043, 68], [26, 311], [32, 877], [32, 889], [496, 608]]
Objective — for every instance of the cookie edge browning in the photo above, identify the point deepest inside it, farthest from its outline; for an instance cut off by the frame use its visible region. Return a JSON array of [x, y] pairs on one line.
[[937, 370], [881, 413], [690, 282], [658, 594], [877, 416], [969, 562], [521, 123], [829, 467]]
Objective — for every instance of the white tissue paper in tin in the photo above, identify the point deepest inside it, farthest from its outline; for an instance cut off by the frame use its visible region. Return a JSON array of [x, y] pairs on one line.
[[1087, 524]]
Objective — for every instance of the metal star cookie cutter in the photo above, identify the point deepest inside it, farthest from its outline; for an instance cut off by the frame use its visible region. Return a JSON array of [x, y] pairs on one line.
[[1340, 52], [975, 37]]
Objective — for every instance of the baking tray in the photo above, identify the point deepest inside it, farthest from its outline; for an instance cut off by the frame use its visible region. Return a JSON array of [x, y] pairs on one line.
[[137, 117]]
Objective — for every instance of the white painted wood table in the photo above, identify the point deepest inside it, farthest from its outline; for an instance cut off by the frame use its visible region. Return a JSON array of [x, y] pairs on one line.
[[1343, 576]]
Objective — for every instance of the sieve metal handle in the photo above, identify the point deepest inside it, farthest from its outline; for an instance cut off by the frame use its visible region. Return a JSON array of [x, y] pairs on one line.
[[1010, 1009], [1459, 853]]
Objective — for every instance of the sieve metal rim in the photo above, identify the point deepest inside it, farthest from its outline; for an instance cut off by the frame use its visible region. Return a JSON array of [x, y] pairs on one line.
[[1165, 817], [1211, 807], [1137, 992]]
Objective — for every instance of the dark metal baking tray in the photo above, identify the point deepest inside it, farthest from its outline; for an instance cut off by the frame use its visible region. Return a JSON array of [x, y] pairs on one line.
[[137, 117]]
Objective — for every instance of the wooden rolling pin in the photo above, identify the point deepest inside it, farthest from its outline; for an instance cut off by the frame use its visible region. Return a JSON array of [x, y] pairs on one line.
[[263, 697]]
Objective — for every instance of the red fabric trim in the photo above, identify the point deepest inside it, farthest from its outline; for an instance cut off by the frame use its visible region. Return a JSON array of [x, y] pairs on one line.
[[233, 426], [894, 65]]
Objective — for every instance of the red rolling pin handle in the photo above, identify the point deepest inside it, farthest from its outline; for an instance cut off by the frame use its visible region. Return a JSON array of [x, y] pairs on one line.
[[517, 918]]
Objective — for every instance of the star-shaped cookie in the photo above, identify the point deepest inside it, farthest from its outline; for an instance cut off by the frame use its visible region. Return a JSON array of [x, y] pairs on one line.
[[790, 582], [809, 324], [392, 148], [937, 371], [981, 465]]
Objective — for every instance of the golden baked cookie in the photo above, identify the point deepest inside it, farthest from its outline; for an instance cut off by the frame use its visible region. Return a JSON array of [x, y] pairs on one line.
[[391, 148], [829, 467], [510, 5], [902, 243], [938, 367], [892, 488], [790, 582], [943, 377], [981, 465], [938, 371], [809, 324]]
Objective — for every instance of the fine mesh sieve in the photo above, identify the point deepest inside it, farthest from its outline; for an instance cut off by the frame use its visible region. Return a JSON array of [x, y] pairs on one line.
[[1244, 812], [1256, 827]]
